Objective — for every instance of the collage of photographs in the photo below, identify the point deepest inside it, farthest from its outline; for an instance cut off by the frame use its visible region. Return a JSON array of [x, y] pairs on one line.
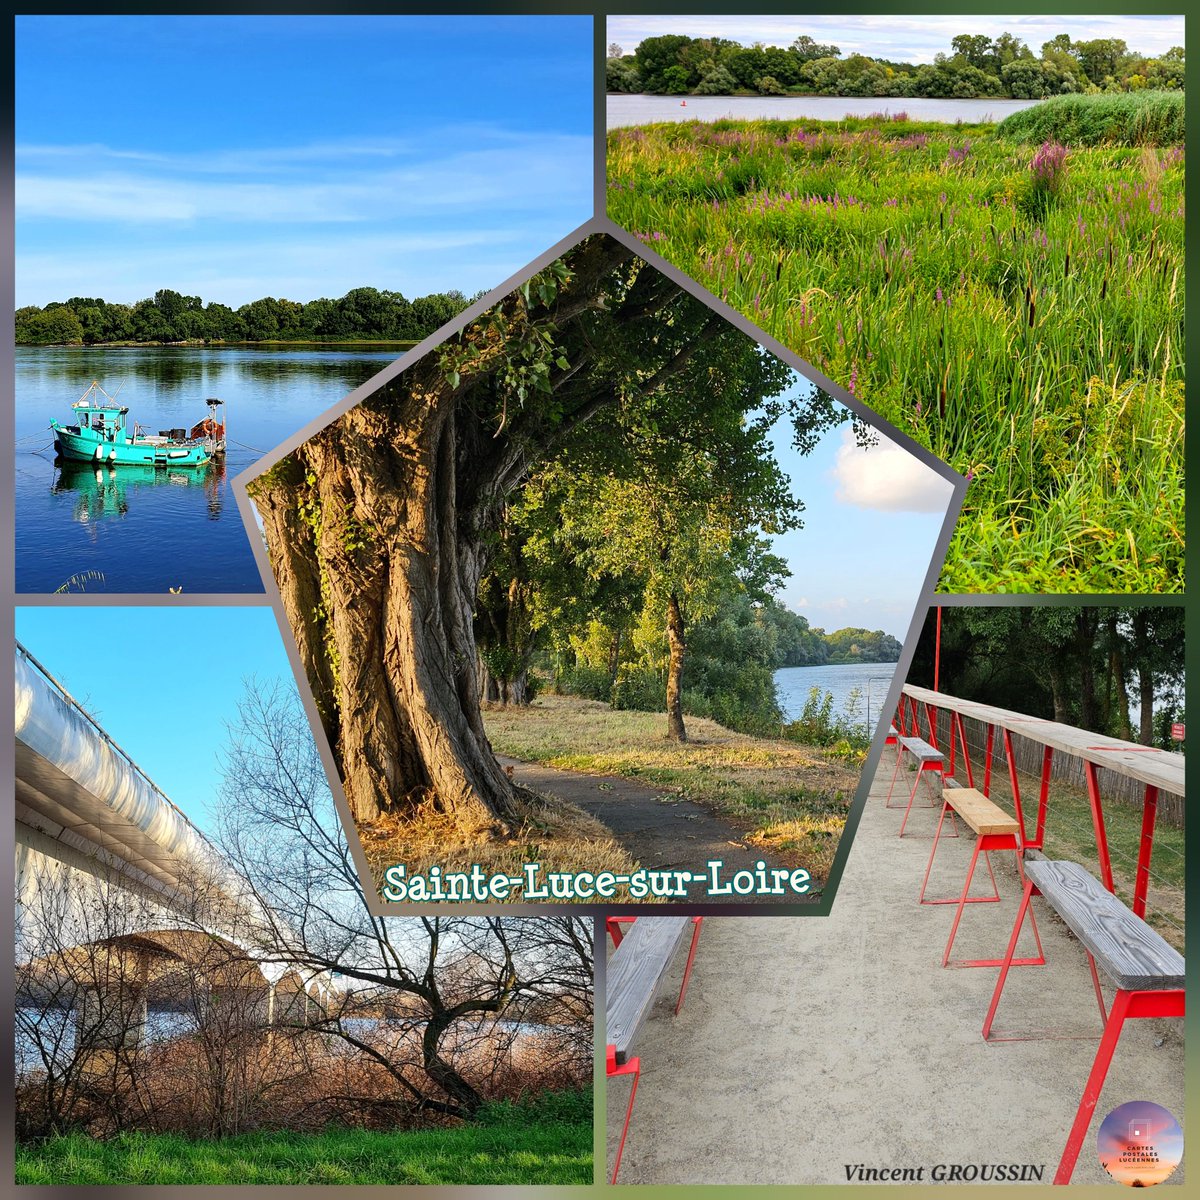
[[598, 601]]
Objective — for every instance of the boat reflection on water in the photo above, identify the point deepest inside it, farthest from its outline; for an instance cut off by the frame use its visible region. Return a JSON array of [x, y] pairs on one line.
[[102, 493]]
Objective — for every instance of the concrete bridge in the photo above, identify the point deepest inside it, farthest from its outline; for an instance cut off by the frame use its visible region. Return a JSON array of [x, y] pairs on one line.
[[123, 905]]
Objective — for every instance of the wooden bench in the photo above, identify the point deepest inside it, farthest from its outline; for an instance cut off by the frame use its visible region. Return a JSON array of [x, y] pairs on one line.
[[1148, 972], [927, 758], [639, 963], [994, 829]]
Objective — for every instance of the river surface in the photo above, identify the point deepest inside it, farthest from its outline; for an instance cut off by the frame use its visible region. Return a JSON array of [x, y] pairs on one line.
[[793, 685], [133, 529], [642, 110]]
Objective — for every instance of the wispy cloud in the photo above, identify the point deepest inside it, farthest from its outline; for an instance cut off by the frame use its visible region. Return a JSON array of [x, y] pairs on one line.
[[85, 183], [461, 207], [901, 37]]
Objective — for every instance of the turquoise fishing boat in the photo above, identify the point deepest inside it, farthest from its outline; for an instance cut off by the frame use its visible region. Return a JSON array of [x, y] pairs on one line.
[[101, 436]]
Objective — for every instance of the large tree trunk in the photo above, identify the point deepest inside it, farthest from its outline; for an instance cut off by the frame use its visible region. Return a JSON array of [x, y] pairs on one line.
[[1117, 673], [677, 645], [368, 519]]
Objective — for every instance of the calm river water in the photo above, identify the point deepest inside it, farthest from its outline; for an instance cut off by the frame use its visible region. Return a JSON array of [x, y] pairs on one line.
[[793, 684], [145, 530], [642, 110]]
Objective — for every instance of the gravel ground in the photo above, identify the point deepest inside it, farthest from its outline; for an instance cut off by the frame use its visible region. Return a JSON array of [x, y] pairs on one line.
[[809, 1045]]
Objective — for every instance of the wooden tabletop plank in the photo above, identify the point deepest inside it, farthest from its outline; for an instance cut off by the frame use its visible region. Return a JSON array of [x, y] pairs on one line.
[[635, 970], [1162, 769], [978, 811], [921, 749], [1132, 954]]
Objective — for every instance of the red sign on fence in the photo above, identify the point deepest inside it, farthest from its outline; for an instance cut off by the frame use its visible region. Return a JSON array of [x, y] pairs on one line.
[[1177, 731]]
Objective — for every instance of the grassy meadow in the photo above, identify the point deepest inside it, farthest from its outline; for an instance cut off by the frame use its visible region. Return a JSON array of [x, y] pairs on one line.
[[1012, 303], [548, 1141]]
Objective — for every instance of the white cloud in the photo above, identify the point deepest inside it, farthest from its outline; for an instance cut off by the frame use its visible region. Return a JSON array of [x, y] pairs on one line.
[[98, 184], [887, 478], [902, 37]]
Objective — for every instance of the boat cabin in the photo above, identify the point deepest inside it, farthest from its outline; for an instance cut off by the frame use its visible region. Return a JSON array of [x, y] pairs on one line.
[[105, 420]]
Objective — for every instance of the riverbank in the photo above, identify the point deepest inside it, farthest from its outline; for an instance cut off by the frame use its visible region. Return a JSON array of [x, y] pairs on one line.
[[1019, 317], [219, 343]]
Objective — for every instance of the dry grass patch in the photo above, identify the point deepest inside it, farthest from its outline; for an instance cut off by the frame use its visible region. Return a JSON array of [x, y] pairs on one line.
[[791, 798], [552, 832]]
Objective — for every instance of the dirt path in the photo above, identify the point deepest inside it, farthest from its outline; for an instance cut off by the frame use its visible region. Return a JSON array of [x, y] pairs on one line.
[[658, 828]]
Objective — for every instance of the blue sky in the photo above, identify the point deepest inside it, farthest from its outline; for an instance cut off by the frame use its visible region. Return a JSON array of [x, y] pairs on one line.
[[871, 522], [238, 157], [901, 37], [173, 725]]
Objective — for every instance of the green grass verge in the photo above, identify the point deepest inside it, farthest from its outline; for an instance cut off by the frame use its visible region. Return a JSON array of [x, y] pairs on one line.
[[1029, 333], [548, 1142]]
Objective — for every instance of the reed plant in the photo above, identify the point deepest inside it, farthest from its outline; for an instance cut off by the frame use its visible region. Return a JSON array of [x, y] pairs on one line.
[[1017, 309]]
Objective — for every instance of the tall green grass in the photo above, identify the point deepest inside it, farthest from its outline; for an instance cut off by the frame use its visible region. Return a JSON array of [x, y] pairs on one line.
[[548, 1141], [1128, 119], [1029, 334]]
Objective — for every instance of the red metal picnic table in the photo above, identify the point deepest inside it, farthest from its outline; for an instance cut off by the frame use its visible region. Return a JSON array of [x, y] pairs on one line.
[[1158, 770]]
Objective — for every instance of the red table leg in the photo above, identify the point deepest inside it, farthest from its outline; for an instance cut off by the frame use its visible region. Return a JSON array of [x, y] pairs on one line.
[[1043, 799], [697, 922], [1015, 785], [1093, 787], [962, 740], [632, 1067], [1126, 1004], [1142, 884], [987, 760]]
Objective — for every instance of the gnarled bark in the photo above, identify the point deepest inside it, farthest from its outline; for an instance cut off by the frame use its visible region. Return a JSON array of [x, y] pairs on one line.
[[389, 649]]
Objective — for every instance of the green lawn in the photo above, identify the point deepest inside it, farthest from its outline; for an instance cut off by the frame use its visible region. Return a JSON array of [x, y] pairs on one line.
[[1025, 323], [538, 1145]]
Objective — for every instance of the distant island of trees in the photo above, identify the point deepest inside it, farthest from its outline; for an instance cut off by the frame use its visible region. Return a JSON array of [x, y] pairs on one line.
[[798, 644], [362, 314], [978, 66]]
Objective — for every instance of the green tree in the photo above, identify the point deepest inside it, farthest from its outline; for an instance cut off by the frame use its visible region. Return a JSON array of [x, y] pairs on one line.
[[805, 49], [378, 527], [57, 326], [1101, 58], [657, 55], [978, 51]]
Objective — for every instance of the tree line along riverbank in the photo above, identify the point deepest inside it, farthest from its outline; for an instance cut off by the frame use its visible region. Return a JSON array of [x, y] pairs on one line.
[[363, 314], [976, 66]]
